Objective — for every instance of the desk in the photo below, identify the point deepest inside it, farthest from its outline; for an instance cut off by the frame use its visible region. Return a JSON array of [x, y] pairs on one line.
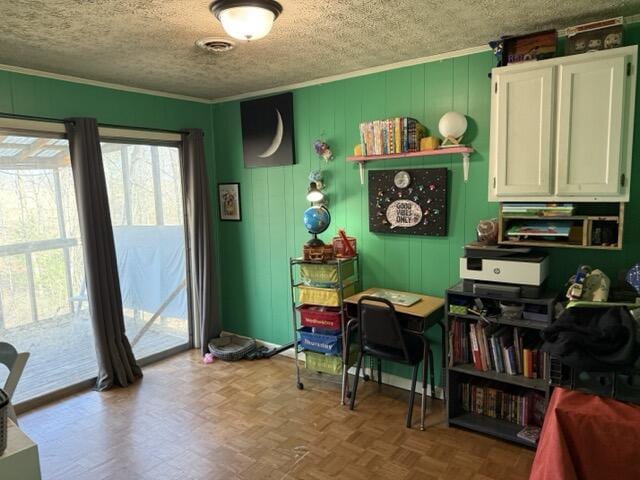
[[418, 318], [20, 460]]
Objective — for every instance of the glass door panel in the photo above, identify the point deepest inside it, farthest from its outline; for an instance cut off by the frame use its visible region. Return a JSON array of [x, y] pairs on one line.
[[145, 199], [43, 309]]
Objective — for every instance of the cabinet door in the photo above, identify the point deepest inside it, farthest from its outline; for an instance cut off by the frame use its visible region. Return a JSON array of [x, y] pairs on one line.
[[590, 127], [522, 128]]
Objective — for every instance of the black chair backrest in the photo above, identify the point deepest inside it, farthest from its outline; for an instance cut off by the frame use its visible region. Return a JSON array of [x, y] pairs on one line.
[[379, 325]]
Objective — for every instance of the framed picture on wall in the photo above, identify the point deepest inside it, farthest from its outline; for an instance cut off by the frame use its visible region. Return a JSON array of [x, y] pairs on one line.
[[229, 201], [267, 131]]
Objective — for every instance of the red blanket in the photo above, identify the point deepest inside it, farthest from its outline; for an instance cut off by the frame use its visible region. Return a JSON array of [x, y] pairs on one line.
[[587, 437]]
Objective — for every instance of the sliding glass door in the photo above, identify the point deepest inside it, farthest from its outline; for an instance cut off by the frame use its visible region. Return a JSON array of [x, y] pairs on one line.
[[41, 266], [145, 199], [43, 299]]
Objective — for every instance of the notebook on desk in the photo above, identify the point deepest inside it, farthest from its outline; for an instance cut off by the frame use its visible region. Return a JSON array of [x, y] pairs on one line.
[[397, 298]]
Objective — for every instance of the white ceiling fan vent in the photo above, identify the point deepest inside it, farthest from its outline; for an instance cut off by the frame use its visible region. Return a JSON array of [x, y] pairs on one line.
[[215, 44]]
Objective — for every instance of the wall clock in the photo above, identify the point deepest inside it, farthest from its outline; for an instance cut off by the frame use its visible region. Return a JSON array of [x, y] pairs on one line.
[[402, 179], [412, 201]]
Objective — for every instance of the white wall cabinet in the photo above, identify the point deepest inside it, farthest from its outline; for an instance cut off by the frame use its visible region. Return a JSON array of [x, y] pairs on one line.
[[562, 129], [523, 131]]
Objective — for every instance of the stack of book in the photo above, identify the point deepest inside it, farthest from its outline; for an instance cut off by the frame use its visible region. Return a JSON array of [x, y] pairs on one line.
[[521, 409], [502, 349], [459, 346], [539, 209], [552, 230], [393, 135]]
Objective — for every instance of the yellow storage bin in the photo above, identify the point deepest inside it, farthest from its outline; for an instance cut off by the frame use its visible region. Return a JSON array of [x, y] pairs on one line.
[[331, 364], [327, 297], [324, 275]]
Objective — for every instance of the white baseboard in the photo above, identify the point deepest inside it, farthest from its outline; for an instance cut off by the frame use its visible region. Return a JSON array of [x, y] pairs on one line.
[[387, 378]]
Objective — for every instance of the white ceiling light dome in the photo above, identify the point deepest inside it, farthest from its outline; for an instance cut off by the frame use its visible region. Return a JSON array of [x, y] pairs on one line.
[[245, 19]]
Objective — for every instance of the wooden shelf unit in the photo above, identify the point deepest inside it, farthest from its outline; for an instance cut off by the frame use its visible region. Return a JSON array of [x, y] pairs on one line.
[[583, 224], [421, 153], [490, 426], [466, 373], [460, 150]]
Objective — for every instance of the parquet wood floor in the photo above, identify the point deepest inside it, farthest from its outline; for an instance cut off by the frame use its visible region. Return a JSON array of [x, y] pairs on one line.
[[246, 420]]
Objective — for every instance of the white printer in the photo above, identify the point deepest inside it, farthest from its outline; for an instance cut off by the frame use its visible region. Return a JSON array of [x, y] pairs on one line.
[[503, 272]]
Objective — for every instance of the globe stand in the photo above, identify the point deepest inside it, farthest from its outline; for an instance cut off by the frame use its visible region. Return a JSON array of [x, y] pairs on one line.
[[315, 241], [450, 141]]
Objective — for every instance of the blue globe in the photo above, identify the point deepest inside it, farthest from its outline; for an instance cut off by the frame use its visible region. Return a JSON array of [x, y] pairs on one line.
[[316, 219]]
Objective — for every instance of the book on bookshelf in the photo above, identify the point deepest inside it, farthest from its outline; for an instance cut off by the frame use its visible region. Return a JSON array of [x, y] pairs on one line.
[[530, 434], [539, 209], [392, 135], [542, 229], [499, 348], [521, 408]]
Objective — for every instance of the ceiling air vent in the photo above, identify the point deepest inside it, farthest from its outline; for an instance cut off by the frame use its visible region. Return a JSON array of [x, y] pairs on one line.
[[215, 45]]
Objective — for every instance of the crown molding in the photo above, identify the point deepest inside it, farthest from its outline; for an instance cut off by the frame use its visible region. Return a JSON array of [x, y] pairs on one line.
[[382, 68], [357, 73]]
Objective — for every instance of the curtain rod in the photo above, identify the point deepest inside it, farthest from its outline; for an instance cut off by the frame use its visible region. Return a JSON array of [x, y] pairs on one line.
[[106, 125]]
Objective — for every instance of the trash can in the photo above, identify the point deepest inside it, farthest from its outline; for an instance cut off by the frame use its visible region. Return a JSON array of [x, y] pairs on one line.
[[4, 408]]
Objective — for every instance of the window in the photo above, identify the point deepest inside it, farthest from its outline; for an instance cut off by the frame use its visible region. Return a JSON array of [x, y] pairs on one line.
[[145, 200], [42, 307]]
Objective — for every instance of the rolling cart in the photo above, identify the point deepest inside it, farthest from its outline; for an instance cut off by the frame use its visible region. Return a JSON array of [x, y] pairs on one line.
[[318, 290]]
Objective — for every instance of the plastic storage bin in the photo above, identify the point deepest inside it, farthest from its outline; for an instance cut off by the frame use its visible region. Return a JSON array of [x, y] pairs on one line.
[[339, 248], [322, 341], [327, 297], [328, 318], [331, 364], [325, 275]]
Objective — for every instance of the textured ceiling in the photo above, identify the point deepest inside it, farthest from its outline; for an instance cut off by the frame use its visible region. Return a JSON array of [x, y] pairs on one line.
[[150, 44]]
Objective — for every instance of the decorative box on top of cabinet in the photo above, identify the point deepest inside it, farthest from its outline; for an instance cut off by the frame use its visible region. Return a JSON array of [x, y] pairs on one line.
[[562, 129]]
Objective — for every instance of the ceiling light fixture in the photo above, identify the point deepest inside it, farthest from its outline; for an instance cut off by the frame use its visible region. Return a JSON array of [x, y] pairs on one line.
[[246, 19]]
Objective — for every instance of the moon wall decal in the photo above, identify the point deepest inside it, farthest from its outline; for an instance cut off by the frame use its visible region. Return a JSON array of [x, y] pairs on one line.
[[277, 139]]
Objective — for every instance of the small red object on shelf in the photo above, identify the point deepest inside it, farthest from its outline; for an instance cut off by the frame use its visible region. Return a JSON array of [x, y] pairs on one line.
[[344, 246]]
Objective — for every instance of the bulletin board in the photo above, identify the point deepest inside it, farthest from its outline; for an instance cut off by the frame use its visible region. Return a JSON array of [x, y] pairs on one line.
[[408, 201]]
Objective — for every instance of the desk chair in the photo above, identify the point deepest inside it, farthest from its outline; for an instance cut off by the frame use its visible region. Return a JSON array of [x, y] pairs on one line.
[[15, 362], [382, 337]]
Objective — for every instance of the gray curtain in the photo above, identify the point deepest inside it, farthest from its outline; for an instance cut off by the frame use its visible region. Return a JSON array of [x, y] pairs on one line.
[[204, 304], [116, 363]]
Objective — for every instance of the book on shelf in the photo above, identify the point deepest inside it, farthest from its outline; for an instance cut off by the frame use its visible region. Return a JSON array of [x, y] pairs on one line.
[[390, 136], [459, 343], [540, 229], [530, 434], [539, 209], [499, 348], [482, 398]]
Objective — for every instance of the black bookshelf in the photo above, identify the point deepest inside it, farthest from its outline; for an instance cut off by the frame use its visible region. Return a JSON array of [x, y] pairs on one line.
[[460, 373], [490, 426]]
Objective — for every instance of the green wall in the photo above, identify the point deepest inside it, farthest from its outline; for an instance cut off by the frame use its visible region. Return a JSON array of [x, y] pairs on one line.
[[22, 94], [254, 252]]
